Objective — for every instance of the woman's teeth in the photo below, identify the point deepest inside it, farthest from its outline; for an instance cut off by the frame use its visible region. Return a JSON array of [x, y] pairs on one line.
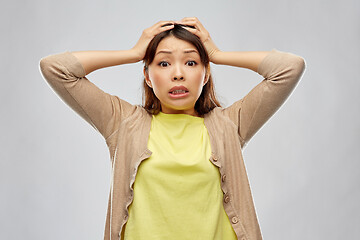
[[178, 91]]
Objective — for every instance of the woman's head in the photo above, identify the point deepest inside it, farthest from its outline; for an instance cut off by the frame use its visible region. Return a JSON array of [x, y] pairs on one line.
[[177, 74]]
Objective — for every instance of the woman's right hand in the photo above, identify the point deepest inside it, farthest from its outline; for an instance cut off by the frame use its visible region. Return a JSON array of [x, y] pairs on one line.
[[147, 35]]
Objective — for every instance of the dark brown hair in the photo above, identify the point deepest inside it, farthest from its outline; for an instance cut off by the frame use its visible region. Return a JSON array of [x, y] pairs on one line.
[[207, 100]]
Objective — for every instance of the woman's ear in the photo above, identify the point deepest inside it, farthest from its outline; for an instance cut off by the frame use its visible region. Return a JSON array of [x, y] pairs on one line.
[[206, 79], [147, 80], [207, 75]]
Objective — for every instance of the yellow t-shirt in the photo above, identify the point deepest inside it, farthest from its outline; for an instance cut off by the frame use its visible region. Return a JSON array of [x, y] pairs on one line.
[[177, 193]]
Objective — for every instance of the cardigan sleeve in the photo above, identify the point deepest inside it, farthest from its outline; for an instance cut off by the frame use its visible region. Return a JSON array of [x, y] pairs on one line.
[[66, 76], [281, 71]]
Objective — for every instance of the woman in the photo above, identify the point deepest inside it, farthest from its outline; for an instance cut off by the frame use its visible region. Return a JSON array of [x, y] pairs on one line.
[[182, 147]]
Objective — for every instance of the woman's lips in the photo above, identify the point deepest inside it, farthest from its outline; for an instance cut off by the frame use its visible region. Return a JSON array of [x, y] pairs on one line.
[[180, 87], [178, 94]]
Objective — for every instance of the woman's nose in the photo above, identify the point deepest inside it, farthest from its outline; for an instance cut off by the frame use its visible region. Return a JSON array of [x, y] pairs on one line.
[[178, 74], [179, 78]]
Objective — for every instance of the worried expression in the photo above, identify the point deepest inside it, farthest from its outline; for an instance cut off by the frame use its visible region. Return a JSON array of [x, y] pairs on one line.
[[176, 76]]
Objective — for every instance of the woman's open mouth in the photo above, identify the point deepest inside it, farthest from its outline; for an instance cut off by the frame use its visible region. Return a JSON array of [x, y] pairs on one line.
[[178, 93]]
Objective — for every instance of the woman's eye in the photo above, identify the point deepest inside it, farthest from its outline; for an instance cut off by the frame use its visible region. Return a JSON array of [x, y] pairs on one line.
[[163, 64], [191, 63]]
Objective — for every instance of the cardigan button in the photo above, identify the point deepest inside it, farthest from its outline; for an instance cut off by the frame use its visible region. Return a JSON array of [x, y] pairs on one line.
[[226, 198], [223, 178], [235, 220], [214, 158]]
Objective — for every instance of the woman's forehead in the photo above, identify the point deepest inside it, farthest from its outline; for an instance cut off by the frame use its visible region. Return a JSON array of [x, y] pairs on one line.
[[173, 44]]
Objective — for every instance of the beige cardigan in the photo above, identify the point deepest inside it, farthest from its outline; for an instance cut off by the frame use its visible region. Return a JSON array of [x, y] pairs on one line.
[[125, 128]]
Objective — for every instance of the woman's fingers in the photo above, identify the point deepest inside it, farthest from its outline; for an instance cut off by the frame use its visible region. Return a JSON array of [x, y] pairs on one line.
[[199, 30], [160, 27], [148, 34], [163, 24], [202, 33], [190, 19], [193, 21]]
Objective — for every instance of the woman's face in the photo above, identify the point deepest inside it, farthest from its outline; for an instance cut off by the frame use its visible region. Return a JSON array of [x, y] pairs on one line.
[[176, 75]]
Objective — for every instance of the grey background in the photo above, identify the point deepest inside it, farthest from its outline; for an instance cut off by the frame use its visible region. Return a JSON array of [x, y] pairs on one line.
[[303, 165]]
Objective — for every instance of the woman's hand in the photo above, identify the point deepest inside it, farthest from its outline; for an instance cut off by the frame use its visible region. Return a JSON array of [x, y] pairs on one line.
[[147, 35], [202, 33]]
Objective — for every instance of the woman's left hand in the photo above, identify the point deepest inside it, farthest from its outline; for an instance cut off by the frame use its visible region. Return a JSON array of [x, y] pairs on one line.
[[202, 33]]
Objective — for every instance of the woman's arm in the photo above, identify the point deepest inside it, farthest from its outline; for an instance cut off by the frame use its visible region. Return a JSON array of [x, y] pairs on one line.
[[66, 74], [282, 72], [249, 60], [93, 60]]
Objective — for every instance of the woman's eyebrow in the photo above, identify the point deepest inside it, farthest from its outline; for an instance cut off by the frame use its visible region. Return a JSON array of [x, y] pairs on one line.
[[169, 52]]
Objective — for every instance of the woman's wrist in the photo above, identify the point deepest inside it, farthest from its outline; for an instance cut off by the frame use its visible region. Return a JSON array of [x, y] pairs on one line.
[[135, 56], [211, 48], [216, 57]]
